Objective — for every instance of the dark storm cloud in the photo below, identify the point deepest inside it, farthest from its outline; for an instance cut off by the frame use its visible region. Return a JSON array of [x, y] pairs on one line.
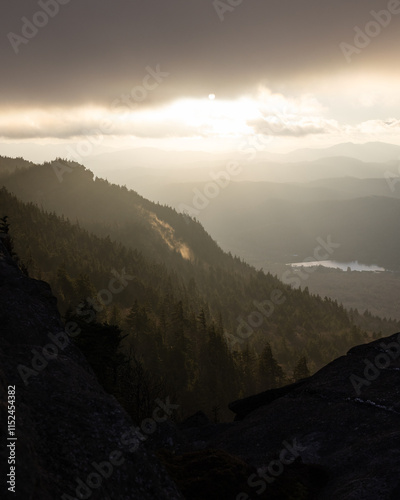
[[94, 50]]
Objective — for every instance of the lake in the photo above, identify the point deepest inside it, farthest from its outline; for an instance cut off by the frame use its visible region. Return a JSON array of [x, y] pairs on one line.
[[354, 266]]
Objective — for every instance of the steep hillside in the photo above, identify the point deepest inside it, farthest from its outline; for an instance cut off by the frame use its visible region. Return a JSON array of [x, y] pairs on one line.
[[12, 165], [71, 190], [161, 309], [274, 222]]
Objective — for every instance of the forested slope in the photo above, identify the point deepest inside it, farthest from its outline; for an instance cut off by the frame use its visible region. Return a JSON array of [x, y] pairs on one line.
[[208, 325]]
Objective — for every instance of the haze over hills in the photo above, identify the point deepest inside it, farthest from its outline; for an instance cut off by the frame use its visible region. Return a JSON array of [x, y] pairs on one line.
[[267, 223], [153, 173], [367, 152], [371, 152], [158, 183], [126, 166], [268, 212], [276, 222]]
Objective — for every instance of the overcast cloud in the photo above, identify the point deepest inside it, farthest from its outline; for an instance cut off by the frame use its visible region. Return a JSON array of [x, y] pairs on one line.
[[126, 63], [93, 50]]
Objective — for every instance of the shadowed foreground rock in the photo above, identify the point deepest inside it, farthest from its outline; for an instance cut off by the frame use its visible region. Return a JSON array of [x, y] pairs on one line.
[[348, 426], [242, 407], [212, 474], [66, 424]]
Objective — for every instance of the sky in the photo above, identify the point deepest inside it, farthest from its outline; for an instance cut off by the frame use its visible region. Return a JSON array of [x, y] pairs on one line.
[[198, 74]]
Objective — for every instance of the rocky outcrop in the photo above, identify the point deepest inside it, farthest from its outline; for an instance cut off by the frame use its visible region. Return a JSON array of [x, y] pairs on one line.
[[243, 407], [73, 440], [344, 419]]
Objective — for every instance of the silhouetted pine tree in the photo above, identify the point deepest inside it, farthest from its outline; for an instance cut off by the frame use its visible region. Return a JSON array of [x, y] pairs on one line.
[[301, 370]]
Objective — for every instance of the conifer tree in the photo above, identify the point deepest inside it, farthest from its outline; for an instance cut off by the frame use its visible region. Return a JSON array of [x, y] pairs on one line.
[[301, 369], [271, 373]]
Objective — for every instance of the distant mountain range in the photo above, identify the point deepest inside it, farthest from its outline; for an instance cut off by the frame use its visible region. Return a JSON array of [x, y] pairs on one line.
[[105, 157], [152, 172], [367, 152], [279, 222]]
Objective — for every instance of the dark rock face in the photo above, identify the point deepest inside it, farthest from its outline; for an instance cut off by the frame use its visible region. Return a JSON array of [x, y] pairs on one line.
[[67, 427], [344, 419], [215, 474], [243, 407]]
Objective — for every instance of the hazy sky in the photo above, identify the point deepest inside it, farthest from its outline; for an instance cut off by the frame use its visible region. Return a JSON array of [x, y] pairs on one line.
[[128, 73]]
